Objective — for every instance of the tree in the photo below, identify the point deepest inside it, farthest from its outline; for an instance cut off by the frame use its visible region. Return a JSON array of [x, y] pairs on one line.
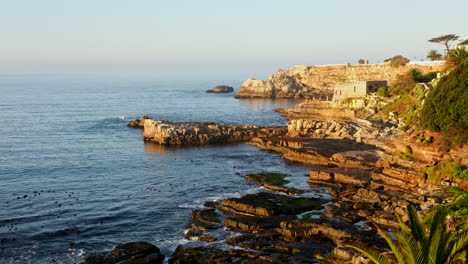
[[445, 40], [418, 243], [434, 55], [398, 61], [456, 57], [361, 61]]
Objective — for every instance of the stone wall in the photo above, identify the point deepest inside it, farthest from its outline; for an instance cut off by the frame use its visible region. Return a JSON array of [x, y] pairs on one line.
[[300, 81], [355, 89]]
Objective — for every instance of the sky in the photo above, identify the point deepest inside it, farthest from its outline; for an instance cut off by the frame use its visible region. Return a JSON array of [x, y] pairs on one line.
[[250, 38]]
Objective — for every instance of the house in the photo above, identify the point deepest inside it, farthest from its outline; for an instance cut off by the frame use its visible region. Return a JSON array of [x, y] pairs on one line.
[[356, 89], [463, 44]]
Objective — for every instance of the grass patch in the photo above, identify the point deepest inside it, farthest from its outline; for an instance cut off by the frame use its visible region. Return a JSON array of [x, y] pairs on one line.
[[447, 169], [270, 178]]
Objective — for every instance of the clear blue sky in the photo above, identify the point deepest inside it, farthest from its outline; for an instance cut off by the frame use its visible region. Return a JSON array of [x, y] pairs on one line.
[[243, 37]]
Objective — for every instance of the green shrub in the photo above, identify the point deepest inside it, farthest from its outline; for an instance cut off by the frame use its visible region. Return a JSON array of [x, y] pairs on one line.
[[419, 91], [403, 85], [418, 76], [383, 91], [445, 109], [446, 169], [460, 172]]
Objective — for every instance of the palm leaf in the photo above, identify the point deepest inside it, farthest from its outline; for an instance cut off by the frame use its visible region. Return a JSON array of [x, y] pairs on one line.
[[331, 260], [417, 229], [373, 254], [458, 244]]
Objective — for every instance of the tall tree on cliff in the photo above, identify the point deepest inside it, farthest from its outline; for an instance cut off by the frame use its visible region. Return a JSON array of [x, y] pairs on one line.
[[446, 40]]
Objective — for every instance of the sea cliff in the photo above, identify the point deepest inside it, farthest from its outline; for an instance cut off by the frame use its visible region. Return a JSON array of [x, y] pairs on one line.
[[317, 81]]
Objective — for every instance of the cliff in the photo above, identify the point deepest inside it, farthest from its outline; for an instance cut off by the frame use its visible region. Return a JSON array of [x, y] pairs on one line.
[[316, 81]]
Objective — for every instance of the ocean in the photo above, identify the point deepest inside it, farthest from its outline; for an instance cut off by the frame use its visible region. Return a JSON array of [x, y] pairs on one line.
[[74, 179]]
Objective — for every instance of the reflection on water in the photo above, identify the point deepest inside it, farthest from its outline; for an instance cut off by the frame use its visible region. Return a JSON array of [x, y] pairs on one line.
[[155, 148]]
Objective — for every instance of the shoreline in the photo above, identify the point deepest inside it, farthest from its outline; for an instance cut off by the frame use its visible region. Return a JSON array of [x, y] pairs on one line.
[[262, 228]]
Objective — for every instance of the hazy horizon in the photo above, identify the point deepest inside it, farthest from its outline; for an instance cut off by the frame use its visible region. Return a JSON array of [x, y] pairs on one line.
[[238, 39]]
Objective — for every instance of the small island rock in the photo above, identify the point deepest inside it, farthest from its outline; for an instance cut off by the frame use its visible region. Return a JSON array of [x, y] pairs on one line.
[[221, 89]]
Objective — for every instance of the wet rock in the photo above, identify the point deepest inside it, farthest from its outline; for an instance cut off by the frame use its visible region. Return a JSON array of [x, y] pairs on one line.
[[200, 255], [205, 219], [128, 253], [196, 234], [212, 204], [268, 204], [256, 224], [221, 89], [273, 181]]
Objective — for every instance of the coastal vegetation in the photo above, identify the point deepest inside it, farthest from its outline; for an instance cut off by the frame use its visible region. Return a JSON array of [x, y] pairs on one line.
[[456, 57], [445, 107], [434, 55], [446, 40], [418, 242], [398, 61], [447, 169]]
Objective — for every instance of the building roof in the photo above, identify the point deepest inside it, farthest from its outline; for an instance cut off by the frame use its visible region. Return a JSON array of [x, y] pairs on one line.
[[465, 42]]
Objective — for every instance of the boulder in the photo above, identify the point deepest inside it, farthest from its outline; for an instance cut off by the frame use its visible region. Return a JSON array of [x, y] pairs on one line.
[[221, 89], [129, 253]]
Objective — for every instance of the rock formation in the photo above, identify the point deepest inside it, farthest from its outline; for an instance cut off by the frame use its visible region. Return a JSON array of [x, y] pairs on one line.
[[199, 133], [312, 81], [221, 89], [129, 253]]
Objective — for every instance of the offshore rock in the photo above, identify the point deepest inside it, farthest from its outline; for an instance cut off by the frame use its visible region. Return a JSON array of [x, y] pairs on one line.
[[138, 123], [199, 133], [221, 89], [128, 253]]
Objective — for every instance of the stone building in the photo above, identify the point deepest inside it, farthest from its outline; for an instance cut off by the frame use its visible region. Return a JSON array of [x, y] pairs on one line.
[[356, 89]]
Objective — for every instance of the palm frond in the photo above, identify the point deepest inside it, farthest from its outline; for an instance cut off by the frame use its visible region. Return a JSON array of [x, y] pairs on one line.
[[331, 260], [417, 228], [373, 254], [459, 243]]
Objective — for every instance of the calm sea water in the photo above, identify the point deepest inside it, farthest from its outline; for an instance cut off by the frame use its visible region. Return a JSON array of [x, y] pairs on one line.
[[75, 179]]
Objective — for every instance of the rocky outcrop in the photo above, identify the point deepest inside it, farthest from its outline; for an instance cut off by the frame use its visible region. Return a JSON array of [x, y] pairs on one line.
[[128, 253], [329, 152], [306, 81], [221, 89], [138, 123], [318, 110], [269, 204], [198, 133], [273, 181], [202, 221]]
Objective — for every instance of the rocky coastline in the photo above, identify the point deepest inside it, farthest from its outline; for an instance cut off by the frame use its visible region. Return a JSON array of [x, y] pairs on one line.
[[316, 81], [363, 173], [352, 159]]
